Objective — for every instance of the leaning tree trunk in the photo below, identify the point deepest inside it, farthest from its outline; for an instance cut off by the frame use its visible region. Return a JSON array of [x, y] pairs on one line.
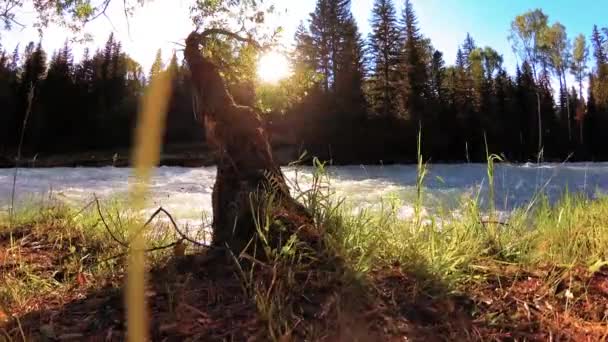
[[248, 178]]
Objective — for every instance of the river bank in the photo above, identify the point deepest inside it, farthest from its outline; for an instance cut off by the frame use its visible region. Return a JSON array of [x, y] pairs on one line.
[[185, 155], [199, 155]]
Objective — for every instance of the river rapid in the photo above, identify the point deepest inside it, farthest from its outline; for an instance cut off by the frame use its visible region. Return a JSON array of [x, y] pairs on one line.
[[186, 192]]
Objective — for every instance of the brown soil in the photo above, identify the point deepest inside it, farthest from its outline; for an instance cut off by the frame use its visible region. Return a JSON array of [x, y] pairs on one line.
[[203, 298]]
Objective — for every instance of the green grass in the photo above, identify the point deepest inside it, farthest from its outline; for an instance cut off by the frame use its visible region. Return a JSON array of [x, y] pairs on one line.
[[573, 232], [46, 249]]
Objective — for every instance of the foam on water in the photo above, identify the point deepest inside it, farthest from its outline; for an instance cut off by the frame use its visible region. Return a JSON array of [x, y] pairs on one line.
[[186, 192]]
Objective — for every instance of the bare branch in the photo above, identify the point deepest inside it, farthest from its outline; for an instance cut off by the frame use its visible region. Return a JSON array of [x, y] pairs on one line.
[[213, 31], [179, 232], [105, 4], [149, 250], [83, 209], [103, 220], [7, 14], [124, 8]]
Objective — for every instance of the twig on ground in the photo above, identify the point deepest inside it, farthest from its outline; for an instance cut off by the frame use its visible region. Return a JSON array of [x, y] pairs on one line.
[[175, 226], [182, 235], [149, 250], [120, 242]]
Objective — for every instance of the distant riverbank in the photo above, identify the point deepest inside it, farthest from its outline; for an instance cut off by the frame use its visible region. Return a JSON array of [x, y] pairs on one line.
[[190, 155], [199, 155]]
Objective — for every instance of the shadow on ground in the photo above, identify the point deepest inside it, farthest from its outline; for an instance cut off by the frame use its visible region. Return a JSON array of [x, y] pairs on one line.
[[195, 299], [203, 298]]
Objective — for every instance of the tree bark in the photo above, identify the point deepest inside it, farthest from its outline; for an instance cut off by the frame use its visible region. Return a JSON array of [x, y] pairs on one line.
[[567, 106], [581, 101], [247, 176], [540, 123]]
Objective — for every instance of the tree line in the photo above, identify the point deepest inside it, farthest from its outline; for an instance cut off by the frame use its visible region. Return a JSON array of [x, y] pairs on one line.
[[399, 84], [82, 106], [350, 98]]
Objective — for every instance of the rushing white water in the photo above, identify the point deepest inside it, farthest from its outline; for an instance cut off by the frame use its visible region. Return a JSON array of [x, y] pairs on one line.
[[186, 192]]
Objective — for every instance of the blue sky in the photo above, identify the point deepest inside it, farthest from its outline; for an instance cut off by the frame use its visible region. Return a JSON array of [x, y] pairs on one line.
[[446, 22]]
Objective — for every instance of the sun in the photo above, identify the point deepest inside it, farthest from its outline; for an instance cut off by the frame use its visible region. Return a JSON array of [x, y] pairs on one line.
[[273, 67]]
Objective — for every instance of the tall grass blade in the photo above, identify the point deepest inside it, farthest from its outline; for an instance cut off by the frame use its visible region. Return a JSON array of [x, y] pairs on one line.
[[30, 101], [148, 135]]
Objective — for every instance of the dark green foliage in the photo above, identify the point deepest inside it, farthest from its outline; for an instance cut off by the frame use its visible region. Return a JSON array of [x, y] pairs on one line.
[[598, 94], [330, 55], [413, 70], [182, 126], [79, 107], [599, 46], [384, 49]]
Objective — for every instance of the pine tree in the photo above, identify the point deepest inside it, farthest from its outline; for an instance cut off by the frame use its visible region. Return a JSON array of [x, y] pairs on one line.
[[106, 66], [8, 79], [320, 30], [384, 49], [85, 76], [181, 124], [173, 67], [60, 115], [350, 72], [600, 89], [437, 76], [598, 85], [599, 51], [157, 65], [303, 57], [304, 61], [526, 93], [595, 131], [413, 69], [507, 126], [15, 59], [461, 89], [467, 48]]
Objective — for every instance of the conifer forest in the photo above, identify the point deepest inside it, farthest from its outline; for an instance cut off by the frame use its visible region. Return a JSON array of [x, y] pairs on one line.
[[374, 92]]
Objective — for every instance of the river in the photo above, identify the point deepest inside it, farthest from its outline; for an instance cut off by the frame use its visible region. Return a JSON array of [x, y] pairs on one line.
[[186, 192]]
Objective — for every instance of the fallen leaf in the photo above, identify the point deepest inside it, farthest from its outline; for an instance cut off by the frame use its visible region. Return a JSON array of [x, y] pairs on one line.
[[81, 279], [3, 316]]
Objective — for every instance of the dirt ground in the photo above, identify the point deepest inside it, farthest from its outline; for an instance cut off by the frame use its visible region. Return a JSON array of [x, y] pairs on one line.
[[203, 298]]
